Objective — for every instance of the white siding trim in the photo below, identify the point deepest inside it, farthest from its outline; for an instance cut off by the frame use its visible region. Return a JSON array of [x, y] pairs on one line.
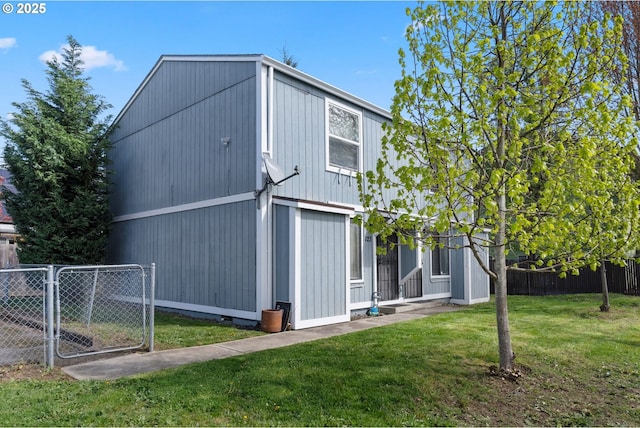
[[263, 244], [435, 296], [316, 322], [347, 263], [360, 305], [307, 205], [295, 268], [240, 197]]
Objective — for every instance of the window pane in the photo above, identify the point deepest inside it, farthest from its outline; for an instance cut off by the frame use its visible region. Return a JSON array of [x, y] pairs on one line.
[[343, 124], [440, 259], [343, 154], [444, 261], [435, 261], [356, 251]]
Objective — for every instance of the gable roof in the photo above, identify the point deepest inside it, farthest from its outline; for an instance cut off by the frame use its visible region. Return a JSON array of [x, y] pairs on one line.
[[262, 59]]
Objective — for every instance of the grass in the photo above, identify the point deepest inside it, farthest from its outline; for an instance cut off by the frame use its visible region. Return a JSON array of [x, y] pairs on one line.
[[581, 368], [175, 331]]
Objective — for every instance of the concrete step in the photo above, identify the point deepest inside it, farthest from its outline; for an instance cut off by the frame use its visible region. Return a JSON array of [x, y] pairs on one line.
[[396, 308]]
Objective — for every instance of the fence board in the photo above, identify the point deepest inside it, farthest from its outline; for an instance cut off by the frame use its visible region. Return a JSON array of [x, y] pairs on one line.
[[620, 279]]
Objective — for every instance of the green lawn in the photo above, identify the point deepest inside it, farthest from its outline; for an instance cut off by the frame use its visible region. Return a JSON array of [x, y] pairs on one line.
[[580, 366], [175, 331]]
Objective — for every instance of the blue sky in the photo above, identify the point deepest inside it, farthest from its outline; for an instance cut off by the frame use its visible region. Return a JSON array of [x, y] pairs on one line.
[[351, 45]]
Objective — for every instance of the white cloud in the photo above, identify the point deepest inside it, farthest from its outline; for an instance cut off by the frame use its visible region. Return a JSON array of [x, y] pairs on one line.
[[92, 57], [9, 116], [7, 43], [366, 72]]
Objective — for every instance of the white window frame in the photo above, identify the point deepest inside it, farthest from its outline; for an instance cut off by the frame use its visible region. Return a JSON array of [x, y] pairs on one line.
[[448, 250], [329, 166], [361, 279]]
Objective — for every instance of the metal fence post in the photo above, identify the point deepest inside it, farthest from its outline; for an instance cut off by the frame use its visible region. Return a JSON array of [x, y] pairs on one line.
[[50, 317], [152, 305]]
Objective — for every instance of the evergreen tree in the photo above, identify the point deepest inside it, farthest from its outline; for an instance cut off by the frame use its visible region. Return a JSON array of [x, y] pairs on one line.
[[56, 152]]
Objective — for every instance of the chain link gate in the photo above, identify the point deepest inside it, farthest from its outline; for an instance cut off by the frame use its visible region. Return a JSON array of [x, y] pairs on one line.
[[23, 324], [101, 309]]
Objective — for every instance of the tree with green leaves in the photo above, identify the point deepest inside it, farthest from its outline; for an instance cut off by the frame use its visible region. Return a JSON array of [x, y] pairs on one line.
[[56, 152], [505, 122]]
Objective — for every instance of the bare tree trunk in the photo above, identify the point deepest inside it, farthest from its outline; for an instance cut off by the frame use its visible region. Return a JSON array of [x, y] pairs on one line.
[[502, 312], [605, 288]]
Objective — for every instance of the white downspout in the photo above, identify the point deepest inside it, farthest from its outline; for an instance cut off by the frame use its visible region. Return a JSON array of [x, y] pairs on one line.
[[269, 220], [270, 109]]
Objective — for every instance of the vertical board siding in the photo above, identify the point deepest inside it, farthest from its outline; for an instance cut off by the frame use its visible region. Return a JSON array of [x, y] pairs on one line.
[[479, 279], [204, 257], [181, 84], [323, 265], [175, 155], [300, 139], [431, 285], [457, 270], [281, 252]]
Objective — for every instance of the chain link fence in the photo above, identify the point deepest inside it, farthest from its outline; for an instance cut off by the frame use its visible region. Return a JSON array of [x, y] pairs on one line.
[[74, 311], [23, 316]]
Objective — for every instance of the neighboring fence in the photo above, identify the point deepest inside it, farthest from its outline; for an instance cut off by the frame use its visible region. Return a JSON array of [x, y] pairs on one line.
[[74, 311], [620, 279]]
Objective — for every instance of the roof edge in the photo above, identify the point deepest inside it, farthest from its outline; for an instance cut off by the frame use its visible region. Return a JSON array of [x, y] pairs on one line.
[[258, 58]]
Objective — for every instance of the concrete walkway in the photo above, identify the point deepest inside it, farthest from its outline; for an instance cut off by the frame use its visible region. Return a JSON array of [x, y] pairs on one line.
[[145, 362]]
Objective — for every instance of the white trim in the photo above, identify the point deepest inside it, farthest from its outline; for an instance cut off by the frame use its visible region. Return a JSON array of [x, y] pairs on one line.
[[214, 310], [361, 279], [240, 197], [309, 205], [295, 266], [359, 144], [435, 296], [357, 208], [263, 248], [347, 270], [374, 263], [415, 299], [360, 305], [317, 322], [270, 110]]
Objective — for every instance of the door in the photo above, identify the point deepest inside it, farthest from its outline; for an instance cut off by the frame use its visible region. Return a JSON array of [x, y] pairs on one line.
[[387, 267]]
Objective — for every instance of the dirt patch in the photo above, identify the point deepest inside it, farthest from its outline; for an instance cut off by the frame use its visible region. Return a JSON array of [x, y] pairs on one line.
[[26, 371], [552, 399]]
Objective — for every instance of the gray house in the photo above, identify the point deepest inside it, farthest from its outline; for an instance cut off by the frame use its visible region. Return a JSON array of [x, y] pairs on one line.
[[197, 153]]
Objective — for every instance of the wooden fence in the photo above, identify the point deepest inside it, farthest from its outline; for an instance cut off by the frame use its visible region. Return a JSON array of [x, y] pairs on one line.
[[620, 279]]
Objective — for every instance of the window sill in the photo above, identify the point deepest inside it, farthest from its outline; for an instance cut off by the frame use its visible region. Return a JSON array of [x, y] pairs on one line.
[[343, 171]]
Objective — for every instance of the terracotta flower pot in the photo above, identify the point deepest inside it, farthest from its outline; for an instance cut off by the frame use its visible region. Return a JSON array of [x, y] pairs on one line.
[[271, 320]]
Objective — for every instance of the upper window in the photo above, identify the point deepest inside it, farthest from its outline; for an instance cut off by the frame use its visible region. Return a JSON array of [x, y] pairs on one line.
[[344, 137]]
